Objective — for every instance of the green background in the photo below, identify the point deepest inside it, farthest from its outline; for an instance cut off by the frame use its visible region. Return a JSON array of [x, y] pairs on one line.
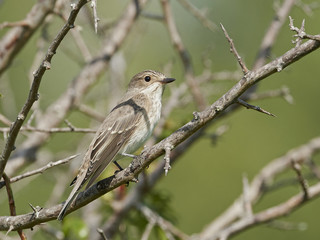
[[208, 178]]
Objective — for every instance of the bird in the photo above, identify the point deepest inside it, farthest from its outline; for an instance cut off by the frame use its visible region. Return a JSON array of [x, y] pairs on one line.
[[129, 124]]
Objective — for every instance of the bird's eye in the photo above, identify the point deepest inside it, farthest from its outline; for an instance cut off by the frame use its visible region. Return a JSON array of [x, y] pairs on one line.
[[147, 78]]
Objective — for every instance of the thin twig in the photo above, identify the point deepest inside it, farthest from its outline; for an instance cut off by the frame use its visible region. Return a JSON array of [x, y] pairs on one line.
[[167, 150], [101, 233], [12, 206], [234, 51], [93, 5], [301, 34], [52, 130], [303, 182], [246, 198], [40, 170], [249, 106], [5, 120]]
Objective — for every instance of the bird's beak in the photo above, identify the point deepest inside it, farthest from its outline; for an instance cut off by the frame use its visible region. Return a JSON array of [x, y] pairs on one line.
[[167, 80]]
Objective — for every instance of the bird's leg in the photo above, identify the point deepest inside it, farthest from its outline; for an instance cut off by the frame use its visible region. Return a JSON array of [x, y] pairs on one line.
[[118, 166], [120, 169]]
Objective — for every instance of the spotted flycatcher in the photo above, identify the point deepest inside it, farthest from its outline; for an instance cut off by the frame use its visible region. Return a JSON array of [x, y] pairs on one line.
[[124, 130]]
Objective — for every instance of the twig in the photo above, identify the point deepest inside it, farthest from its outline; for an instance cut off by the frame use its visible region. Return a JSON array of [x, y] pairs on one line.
[[147, 231], [52, 130], [12, 206], [167, 149], [36, 211], [303, 182], [234, 51], [246, 198], [103, 236], [40, 170], [301, 34], [314, 168], [249, 106], [93, 5], [5, 120]]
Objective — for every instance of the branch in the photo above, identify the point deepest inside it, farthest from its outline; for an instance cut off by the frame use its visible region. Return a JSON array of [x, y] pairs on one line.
[[52, 130], [40, 170], [12, 206], [144, 160], [249, 106], [234, 51]]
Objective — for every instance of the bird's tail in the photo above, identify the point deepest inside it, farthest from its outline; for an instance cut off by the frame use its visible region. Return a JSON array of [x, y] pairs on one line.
[[66, 206], [72, 196]]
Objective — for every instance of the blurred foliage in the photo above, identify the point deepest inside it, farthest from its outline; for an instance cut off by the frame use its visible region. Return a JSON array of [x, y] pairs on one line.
[[207, 179]]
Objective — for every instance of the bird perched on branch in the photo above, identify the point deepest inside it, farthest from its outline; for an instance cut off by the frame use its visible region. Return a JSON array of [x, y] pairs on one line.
[[125, 129]]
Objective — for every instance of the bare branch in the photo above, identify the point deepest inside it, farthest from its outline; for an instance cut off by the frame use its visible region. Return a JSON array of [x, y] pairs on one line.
[[12, 206], [40, 170], [249, 106], [93, 5], [234, 51], [301, 34], [303, 182], [52, 130], [167, 149]]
